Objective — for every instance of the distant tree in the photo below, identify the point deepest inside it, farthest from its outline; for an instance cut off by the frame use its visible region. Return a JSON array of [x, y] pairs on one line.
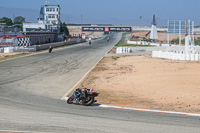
[[19, 20], [8, 21], [64, 29]]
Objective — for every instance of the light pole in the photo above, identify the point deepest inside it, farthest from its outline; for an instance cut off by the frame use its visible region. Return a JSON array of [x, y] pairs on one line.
[[140, 26], [81, 20], [81, 26]]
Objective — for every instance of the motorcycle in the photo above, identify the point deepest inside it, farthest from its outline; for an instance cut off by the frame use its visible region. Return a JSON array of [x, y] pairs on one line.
[[50, 49], [108, 39], [86, 97]]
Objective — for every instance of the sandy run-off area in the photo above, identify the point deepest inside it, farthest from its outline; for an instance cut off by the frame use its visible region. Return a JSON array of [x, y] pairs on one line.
[[147, 83]]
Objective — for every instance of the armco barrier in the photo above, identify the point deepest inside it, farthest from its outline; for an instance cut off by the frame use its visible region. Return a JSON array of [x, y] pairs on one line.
[[18, 49], [8, 49], [58, 44], [37, 47]]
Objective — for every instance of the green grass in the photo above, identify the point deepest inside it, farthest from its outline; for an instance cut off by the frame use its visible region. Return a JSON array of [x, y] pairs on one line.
[[10, 56], [176, 41], [65, 46], [103, 36], [22, 54], [115, 58]]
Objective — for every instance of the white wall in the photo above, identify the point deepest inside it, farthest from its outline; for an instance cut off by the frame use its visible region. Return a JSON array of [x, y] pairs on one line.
[[33, 25]]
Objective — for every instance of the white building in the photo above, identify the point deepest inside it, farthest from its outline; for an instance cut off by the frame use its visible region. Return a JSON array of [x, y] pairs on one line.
[[37, 27], [50, 14]]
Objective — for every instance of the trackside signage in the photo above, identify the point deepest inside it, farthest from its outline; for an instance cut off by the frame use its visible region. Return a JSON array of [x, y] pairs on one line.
[[120, 29], [107, 29], [93, 29], [8, 41]]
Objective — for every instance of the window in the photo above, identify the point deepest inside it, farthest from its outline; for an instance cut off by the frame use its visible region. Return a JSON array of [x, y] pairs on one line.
[[47, 9], [51, 16]]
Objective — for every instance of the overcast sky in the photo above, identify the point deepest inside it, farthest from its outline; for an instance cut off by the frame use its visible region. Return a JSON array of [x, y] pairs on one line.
[[117, 12]]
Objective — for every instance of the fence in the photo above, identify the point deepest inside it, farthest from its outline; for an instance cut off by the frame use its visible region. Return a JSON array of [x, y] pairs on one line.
[[177, 55], [37, 47], [121, 50]]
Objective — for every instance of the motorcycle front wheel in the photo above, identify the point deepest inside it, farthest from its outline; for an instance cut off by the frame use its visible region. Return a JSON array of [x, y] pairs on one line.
[[88, 101], [70, 100]]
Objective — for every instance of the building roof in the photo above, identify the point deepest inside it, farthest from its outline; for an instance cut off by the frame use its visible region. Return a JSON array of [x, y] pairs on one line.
[[53, 5]]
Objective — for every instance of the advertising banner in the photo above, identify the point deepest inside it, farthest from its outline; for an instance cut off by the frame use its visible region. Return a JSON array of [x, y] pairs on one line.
[[107, 29], [8, 41], [120, 29], [101, 29]]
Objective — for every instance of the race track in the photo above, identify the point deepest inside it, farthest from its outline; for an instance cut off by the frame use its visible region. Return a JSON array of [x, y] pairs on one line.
[[31, 89]]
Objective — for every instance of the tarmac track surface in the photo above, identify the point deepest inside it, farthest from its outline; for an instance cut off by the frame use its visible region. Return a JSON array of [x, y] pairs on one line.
[[31, 88]]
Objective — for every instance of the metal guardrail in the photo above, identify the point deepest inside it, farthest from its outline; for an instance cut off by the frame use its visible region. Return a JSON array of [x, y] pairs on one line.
[[38, 47]]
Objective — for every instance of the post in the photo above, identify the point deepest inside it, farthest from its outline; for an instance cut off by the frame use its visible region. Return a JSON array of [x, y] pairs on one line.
[[81, 27], [193, 32], [168, 37], [81, 32], [131, 34], [81, 20], [179, 32], [189, 27], [140, 27]]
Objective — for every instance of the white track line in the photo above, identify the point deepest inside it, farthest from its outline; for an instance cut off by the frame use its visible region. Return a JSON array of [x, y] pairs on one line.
[[67, 94], [143, 110], [148, 110], [125, 108], [70, 91]]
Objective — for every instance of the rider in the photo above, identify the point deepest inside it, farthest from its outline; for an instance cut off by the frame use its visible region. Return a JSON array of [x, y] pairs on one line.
[[90, 40], [77, 92], [108, 39], [50, 49]]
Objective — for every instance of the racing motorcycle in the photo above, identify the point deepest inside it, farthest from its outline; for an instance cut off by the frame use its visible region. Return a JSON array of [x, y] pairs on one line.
[[108, 39], [83, 96], [50, 49]]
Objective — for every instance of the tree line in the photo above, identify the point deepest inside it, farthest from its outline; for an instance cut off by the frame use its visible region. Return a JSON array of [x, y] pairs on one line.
[[9, 22]]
